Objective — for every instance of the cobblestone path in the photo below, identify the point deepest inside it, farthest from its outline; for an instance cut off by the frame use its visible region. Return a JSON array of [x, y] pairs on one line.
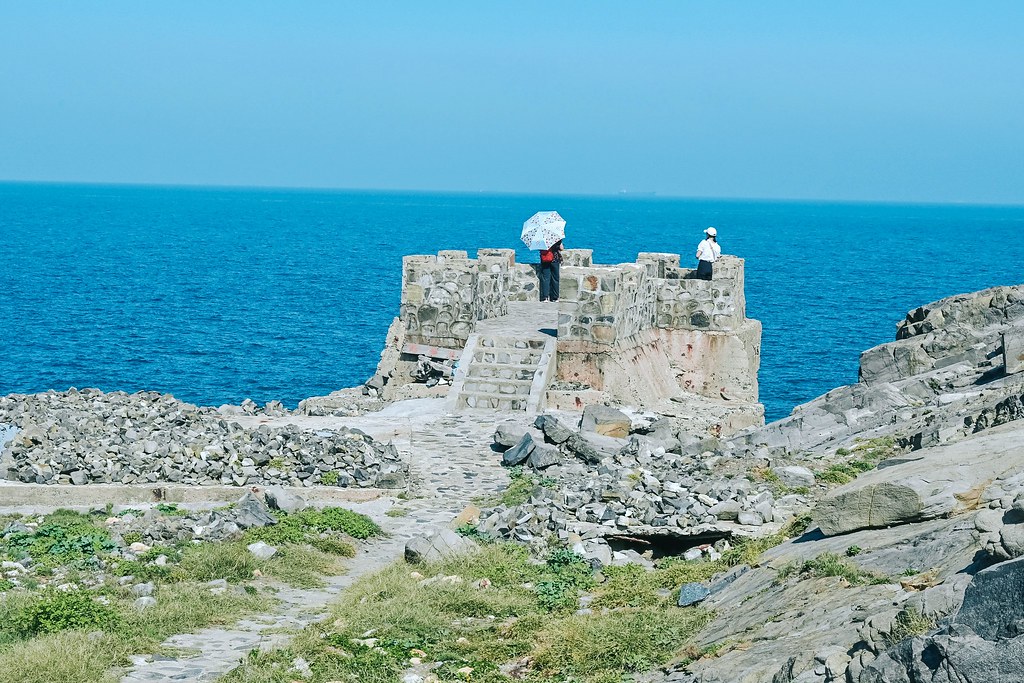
[[451, 465]]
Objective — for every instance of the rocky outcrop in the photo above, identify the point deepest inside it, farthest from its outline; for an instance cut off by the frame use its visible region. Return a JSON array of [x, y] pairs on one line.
[[946, 376], [933, 482], [88, 436]]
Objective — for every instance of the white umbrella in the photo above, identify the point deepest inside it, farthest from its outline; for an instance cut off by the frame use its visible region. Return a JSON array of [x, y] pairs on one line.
[[543, 229]]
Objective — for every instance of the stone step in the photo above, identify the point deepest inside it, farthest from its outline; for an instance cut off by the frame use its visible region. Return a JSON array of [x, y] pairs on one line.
[[498, 380], [515, 357], [489, 401], [504, 366], [496, 388]]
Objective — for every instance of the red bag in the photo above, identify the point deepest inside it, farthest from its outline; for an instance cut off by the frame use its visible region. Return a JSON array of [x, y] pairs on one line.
[[547, 256]]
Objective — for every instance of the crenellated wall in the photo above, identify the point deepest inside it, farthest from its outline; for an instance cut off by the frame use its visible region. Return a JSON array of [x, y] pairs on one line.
[[640, 331]]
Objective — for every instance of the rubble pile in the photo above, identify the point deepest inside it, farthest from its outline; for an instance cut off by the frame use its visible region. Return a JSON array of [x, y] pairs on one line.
[[87, 436]]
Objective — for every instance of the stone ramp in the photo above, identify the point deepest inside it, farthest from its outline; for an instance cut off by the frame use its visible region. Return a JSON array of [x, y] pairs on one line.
[[509, 362]]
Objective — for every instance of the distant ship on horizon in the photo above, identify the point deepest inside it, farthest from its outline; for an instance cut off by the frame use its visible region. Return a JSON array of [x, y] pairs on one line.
[[637, 194]]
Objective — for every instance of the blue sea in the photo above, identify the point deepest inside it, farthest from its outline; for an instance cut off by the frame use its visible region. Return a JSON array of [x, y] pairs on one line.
[[215, 295]]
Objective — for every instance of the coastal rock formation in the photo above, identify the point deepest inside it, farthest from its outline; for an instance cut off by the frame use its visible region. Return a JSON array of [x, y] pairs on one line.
[[88, 436]]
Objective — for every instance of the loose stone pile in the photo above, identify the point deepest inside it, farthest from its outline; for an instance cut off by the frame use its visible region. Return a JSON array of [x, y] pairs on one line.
[[88, 436], [601, 486]]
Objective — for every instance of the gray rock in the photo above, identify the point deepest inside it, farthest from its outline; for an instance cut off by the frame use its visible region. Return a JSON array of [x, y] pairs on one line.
[[940, 482], [795, 475], [606, 421], [144, 603], [544, 456], [283, 500], [993, 605], [251, 512], [507, 436], [142, 589], [692, 593], [79, 478], [554, 429], [437, 546], [518, 454], [261, 550], [1013, 350]]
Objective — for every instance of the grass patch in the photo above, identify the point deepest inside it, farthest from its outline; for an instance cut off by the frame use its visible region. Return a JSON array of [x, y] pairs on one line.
[[520, 487], [397, 512], [74, 637], [303, 526], [867, 455], [296, 565], [830, 564], [524, 610], [63, 538], [908, 623]]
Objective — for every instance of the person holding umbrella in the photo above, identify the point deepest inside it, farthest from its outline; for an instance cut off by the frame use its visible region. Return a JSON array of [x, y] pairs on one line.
[[544, 232]]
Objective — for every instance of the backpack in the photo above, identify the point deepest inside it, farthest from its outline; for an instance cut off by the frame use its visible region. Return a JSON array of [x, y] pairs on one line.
[[547, 256]]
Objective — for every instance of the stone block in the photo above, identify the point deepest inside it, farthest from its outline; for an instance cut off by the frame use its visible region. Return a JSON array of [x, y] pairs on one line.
[[606, 421], [692, 593], [1013, 350], [544, 456], [437, 546], [518, 454], [280, 499]]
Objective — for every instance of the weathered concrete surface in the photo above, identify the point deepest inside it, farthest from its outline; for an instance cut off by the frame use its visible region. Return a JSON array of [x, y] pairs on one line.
[[41, 497], [938, 481]]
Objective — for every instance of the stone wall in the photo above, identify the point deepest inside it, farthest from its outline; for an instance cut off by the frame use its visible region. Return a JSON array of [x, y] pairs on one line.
[[443, 296]]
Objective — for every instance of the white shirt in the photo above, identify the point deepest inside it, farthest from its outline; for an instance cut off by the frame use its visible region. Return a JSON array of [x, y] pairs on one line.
[[708, 250]]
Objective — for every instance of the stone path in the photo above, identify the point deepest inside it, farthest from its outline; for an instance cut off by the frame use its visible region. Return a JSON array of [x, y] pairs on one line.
[[451, 464]]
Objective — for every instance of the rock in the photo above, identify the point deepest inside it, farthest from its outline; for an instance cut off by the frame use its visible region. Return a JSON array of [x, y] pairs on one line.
[[795, 476], [261, 550], [692, 593], [507, 436], [606, 421], [469, 515], [940, 481], [544, 456], [251, 512], [142, 589], [79, 478], [747, 518], [301, 666], [1013, 350], [993, 605], [218, 586], [283, 500], [518, 454], [592, 448], [144, 603], [437, 546], [554, 429]]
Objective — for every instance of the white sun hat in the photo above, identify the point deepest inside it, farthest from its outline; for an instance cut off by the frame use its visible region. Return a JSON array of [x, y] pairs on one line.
[[712, 232]]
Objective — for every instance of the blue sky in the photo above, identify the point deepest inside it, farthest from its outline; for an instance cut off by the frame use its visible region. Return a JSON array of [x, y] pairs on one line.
[[892, 101]]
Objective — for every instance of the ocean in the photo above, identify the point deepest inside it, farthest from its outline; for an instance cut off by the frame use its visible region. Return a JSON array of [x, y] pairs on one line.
[[216, 294]]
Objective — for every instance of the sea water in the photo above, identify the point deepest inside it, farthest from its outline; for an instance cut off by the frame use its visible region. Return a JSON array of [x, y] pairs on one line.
[[215, 295]]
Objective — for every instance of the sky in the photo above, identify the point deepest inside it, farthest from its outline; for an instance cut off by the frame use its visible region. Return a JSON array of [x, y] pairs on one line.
[[875, 101]]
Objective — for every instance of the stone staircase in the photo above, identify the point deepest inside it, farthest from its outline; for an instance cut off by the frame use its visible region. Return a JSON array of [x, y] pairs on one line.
[[503, 373]]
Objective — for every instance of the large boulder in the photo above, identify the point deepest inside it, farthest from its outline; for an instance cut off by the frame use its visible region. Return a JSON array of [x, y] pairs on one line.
[[437, 546], [518, 454], [554, 429], [507, 436], [251, 512], [281, 499], [606, 421], [938, 481]]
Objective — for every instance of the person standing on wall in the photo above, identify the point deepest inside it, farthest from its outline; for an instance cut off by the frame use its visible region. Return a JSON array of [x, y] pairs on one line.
[[708, 251], [550, 263]]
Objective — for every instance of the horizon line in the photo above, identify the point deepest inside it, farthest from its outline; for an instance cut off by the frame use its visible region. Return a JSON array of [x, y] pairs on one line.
[[625, 194]]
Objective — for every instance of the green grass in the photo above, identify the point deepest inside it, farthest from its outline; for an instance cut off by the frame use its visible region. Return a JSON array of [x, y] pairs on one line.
[[63, 538], [908, 623], [302, 526], [72, 637], [296, 565], [868, 455], [527, 610], [830, 564], [397, 512]]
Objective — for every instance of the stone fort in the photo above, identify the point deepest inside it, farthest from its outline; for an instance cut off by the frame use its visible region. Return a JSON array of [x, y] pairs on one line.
[[638, 333]]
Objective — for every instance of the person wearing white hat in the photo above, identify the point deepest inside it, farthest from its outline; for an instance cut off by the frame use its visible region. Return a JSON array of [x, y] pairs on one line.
[[708, 251]]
